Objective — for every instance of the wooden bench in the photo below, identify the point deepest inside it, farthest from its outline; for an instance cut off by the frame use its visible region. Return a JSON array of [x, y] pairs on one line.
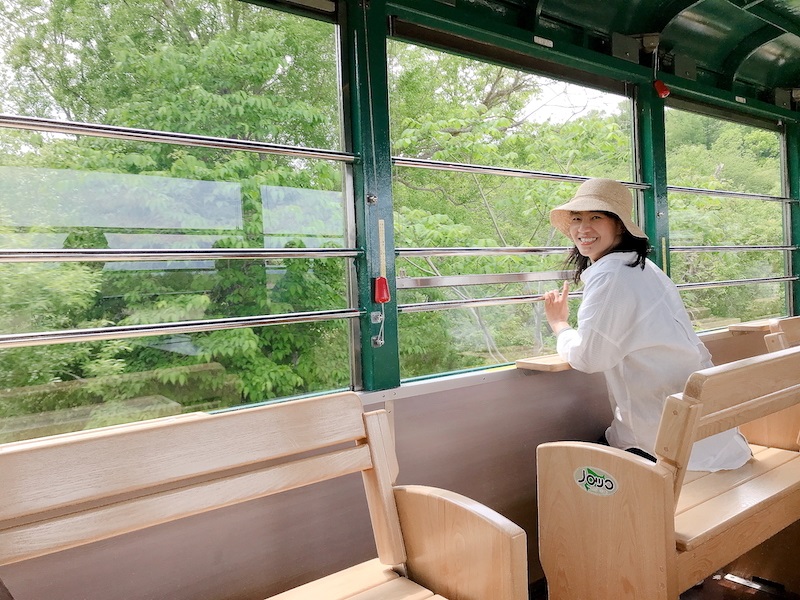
[[784, 333], [779, 428], [614, 526], [77, 488]]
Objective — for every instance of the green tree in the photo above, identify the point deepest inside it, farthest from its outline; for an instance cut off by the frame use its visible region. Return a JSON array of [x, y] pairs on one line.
[[215, 68]]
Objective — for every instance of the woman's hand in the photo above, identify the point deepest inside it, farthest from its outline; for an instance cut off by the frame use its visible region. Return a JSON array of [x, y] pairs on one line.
[[556, 308]]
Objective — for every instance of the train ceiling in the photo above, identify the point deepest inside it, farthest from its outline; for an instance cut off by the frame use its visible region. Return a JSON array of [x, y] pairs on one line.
[[719, 42], [748, 47]]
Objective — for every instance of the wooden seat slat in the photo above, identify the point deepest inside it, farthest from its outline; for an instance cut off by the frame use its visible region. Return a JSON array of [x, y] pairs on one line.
[[694, 475], [397, 589], [713, 484], [696, 525], [343, 584]]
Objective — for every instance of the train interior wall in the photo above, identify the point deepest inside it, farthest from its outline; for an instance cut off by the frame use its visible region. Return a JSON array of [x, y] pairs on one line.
[[474, 433]]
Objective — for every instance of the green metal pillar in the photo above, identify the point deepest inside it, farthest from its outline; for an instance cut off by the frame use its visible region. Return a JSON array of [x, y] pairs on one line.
[[651, 142], [365, 89], [793, 180]]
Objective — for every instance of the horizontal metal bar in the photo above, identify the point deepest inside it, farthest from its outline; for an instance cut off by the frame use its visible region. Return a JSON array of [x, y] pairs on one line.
[[406, 283], [133, 331], [438, 165], [732, 282], [166, 137], [727, 194], [402, 252], [478, 302], [475, 302], [149, 254], [730, 248]]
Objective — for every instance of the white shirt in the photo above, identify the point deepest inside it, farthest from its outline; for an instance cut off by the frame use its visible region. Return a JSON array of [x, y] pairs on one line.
[[633, 327]]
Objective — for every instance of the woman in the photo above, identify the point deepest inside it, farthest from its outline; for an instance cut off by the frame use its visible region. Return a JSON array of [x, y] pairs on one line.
[[632, 324]]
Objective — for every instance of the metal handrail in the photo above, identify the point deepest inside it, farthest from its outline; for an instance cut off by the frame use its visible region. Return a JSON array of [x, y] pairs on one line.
[[478, 302], [113, 255], [167, 137], [132, 331], [729, 248], [481, 251], [440, 165], [727, 194]]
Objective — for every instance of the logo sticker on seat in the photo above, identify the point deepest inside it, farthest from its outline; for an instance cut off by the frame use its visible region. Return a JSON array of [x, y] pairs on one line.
[[595, 481]]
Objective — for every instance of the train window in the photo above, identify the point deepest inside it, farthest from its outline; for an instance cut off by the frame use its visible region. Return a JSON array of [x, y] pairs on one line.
[[726, 211], [481, 153], [174, 213]]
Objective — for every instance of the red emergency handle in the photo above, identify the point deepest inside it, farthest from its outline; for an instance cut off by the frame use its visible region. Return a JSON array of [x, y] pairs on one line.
[[380, 292]]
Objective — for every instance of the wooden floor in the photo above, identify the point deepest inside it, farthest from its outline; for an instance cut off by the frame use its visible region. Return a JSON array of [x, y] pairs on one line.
[[718, 587]]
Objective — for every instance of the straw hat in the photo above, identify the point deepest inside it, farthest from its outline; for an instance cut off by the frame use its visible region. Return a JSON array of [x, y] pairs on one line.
[[604, 195]]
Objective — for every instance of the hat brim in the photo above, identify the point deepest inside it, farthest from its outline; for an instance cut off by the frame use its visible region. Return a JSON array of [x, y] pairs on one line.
[[560, 215]]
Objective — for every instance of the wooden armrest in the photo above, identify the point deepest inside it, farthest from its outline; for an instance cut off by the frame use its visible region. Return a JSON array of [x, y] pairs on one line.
[[549, 362], [460, 548]]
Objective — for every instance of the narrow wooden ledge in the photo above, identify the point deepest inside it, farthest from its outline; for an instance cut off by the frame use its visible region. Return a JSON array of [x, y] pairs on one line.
[[749, 326], [549, 362]]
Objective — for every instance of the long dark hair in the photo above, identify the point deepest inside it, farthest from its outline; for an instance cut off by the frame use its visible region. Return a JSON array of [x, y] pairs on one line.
[[627, 243]]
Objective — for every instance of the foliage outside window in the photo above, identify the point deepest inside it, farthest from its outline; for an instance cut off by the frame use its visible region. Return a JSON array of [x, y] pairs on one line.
[[716, 155], [228, 70]]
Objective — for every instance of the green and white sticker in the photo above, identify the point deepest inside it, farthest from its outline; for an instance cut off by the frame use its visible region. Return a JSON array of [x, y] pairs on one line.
[[595, 481]]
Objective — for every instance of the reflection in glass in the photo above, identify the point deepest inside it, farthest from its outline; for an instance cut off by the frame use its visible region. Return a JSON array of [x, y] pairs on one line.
[[68, 198], [309, 218]]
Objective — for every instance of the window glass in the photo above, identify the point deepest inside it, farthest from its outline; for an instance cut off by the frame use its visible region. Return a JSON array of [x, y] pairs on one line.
[[456, 109], [226, 69], [704, 220], [453, 109], [711, 154], [231, 74], [50, 389]]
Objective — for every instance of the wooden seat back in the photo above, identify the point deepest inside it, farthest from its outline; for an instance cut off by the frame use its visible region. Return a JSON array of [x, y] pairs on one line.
[[784, 333], [72, 489], [721, 398]]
